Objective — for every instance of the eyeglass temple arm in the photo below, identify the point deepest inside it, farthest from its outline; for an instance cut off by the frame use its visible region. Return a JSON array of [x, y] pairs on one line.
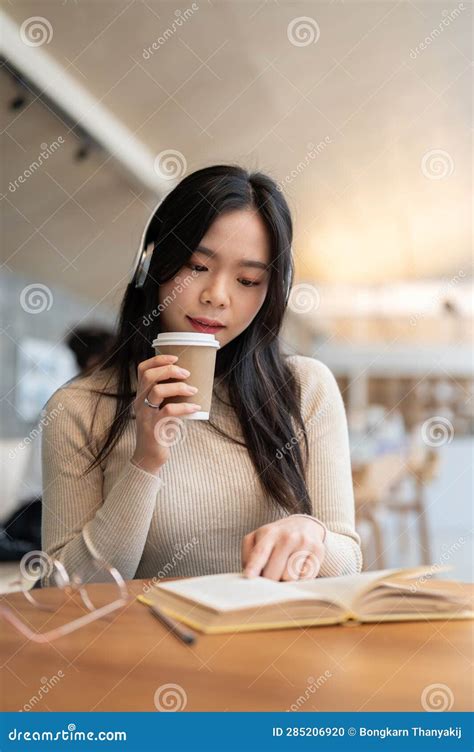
[[65, 629]]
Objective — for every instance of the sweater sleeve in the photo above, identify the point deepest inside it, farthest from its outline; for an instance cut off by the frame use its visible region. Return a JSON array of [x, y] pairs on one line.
[[328, 475], [77, 521]]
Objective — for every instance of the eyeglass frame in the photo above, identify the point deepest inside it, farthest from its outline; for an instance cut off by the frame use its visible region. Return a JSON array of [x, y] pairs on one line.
[[71, 586]]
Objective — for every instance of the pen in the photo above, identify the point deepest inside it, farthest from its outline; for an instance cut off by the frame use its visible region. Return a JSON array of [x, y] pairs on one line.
[[184, 634]]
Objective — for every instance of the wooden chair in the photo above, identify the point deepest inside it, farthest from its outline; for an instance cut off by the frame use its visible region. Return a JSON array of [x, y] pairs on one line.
[[394, 484], [373, 483], [422, 466]]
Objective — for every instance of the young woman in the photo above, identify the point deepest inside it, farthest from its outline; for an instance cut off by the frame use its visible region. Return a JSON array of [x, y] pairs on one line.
[[265, 486]]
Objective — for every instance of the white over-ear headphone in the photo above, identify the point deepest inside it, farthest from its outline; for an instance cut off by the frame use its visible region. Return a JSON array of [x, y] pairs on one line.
[[144, 253]]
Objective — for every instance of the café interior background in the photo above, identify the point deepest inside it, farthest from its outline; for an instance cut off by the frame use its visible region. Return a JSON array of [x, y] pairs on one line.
[[362, 113]]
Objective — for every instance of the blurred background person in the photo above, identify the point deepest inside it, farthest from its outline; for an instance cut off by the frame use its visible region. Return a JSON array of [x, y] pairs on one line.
[[88, 345]]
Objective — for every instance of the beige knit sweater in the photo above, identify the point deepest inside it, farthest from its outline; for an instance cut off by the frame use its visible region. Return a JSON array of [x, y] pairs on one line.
[[190, 520]]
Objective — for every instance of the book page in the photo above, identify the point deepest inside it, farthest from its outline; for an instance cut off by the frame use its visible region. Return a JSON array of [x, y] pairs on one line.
[[341, 590], [226, 592], [441, 594], [348, 589]]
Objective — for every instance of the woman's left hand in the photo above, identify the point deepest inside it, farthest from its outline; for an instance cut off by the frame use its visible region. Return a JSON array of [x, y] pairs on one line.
[[288, 549]]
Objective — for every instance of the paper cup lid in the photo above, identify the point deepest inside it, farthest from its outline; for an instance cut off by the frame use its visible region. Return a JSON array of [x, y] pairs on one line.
[[185, 338]]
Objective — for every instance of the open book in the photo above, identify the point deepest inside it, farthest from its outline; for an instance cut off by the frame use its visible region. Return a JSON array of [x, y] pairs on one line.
[[231, 602]]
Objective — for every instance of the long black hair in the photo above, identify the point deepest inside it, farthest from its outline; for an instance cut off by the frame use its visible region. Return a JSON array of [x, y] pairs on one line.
[[261, 387]]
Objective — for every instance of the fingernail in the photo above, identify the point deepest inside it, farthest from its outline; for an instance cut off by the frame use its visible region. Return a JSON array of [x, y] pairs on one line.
[[185, 372], [193, 389], [250, 573]]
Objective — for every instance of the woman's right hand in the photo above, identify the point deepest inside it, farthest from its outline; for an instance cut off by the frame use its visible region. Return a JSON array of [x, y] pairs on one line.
[[153, 430]]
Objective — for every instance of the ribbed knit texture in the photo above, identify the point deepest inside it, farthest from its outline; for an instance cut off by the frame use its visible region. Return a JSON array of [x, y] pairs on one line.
[[190, 520]]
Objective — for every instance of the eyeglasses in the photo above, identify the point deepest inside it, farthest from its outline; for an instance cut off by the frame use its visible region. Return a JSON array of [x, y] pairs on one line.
[[36, 565]]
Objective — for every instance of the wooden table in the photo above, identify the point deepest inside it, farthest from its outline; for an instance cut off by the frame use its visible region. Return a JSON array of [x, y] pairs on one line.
[[120, 665]]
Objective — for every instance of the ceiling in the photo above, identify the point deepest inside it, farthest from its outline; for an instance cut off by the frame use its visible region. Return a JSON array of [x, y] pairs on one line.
[[369, 134]]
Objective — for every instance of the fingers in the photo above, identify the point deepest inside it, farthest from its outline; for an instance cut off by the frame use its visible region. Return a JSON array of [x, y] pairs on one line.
[[281, 555], [158, 429], [278, 561], [302, 565], [157, 360], [159, 392], [174, 409], [259, 555], [311, 567], [248, 542], [158, 374], [162, 373]]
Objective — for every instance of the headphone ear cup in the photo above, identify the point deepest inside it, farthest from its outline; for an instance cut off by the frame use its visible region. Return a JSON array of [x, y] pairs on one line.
[[143, 255], [287, 286], [144, 265]]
